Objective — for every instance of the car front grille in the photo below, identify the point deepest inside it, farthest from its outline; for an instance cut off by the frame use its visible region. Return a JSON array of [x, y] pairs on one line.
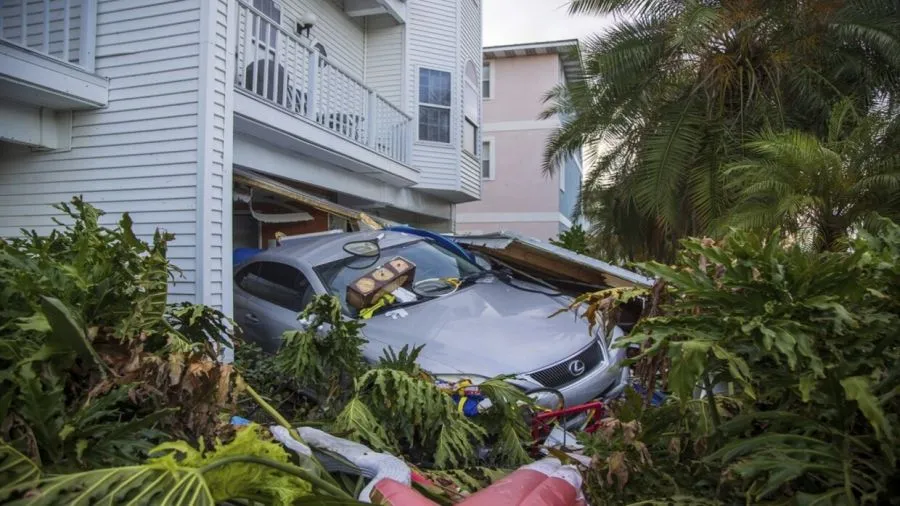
[[559, 374]]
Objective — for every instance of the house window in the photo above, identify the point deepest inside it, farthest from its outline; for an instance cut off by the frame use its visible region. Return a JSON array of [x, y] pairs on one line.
[[487, 159], [471, 101], [434, 105], [487, 79]]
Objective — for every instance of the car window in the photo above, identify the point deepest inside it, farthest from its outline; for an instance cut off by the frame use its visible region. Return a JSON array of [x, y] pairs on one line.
[[277, 283], [431, 260]]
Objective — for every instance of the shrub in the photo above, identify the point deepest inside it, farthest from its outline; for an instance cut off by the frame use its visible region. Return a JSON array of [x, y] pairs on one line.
[[792, 353]]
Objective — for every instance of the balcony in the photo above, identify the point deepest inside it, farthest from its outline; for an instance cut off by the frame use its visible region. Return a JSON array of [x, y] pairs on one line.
[[285, 85], [47, 54]]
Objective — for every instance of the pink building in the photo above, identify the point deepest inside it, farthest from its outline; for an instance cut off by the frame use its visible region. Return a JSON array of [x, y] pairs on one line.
[[516, 195]]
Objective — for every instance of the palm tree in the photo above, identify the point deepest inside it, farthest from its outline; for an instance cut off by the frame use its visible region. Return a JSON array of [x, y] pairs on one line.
[[673, 91], [819, 190]]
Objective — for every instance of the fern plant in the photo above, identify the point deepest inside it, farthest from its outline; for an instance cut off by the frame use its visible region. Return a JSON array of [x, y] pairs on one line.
[[393, 409]]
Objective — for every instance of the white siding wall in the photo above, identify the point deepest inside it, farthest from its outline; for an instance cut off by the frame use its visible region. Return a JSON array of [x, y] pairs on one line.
[[470, 50], [384, 58], [432, 39], [143, 153], [342, 36], [214, 152]]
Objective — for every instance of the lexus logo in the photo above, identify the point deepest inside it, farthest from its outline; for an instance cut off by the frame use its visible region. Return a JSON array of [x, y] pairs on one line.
[[576, 367]]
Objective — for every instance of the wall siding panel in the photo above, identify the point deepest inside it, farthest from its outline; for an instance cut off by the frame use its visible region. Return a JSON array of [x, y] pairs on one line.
[[432, 40], [470, 50], [384, 58], [343, 37], [140, 154]]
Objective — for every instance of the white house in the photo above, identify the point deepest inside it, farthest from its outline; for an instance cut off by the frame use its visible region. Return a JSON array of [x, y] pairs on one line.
[[213, 119]]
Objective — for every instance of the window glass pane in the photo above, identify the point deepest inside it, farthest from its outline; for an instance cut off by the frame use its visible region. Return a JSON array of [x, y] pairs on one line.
[[434, 124], [486, 80], [277, 283], [470, 102], [470, 136], [434, 87], [471, 72], [486, 160]]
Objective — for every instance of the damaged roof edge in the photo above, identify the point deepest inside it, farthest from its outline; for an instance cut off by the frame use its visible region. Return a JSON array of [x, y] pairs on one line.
[[502, 240], [254, 179]]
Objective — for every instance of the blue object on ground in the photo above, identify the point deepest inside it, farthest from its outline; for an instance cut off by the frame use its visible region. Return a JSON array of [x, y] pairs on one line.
[[470, 404], [658, 397], [239, 421], [438, 238], [242, 254]]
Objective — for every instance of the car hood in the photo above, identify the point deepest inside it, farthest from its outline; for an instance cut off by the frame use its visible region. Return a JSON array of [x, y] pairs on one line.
[[487, 329]]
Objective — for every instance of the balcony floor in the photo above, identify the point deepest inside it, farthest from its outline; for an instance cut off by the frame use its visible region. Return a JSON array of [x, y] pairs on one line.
[[30, 77]]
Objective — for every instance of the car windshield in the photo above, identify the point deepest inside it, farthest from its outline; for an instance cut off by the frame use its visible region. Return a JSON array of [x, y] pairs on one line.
[[431, 260]]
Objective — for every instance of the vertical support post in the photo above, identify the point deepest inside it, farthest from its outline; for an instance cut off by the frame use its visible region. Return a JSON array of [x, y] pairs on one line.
[[88, 42], [313, 81], [67, 14], [371, 120]]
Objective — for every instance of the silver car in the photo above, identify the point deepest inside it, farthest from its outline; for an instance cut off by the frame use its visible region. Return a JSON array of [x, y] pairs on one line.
[[487, 325]]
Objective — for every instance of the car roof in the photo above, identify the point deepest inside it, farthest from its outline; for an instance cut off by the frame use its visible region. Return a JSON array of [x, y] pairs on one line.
[[327, 248]]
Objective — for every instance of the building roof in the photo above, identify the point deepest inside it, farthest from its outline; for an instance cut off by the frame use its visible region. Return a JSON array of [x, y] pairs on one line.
[[568, 50]]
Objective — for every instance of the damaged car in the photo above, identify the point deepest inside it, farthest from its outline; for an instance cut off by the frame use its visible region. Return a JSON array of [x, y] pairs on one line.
[[476, 318]]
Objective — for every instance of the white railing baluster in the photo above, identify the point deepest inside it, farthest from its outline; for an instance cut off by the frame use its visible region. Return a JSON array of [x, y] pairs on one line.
[[266, 65], [370, 119], [312, 85], [256, 33], [46, 41], [66, 27], [88, 35], [23, 32]]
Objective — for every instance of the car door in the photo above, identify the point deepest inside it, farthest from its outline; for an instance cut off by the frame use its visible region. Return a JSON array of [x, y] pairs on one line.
[[269, 297]]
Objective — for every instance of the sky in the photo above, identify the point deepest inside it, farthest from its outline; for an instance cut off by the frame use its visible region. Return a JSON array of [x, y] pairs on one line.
[[517, 21]]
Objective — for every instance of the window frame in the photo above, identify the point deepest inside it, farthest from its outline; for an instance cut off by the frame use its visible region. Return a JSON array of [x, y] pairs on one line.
[[471, 85], [420, 104], [492, 73], [492, 163], [305, 296]]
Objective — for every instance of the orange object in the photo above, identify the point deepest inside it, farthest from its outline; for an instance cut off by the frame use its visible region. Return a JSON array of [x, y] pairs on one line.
[[393, 493]]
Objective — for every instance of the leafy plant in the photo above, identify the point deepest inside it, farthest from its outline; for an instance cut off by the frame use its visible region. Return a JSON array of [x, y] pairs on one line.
[[326, 354], [672, 91], [248, 468], [393, 409], [92, 361], [574, 239], [782, 365]]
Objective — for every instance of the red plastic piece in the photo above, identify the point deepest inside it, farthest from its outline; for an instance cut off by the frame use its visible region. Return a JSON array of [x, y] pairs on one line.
[[540, 424]]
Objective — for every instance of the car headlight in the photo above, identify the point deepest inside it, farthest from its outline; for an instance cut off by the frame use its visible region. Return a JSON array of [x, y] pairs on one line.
[[547, 398]]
